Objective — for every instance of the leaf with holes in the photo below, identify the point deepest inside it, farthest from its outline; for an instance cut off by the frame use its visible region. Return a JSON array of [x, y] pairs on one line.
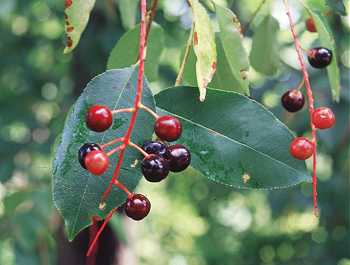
[[235, 62], [234, 140], [264, 55], [204, 47], [327, 41], [126, 51], [77, 13], [77, 193]]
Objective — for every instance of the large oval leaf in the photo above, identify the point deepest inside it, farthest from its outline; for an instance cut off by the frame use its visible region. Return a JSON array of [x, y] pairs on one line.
[[327, 40], [126, 51], [77, 193], [264, 56], [77, 13], [234, 140]]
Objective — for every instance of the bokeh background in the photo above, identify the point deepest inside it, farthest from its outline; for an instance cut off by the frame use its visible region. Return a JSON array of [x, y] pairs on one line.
[[193, 220]]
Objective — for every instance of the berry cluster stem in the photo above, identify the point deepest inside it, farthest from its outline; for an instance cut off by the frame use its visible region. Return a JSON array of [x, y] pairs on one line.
[[310, 100], [137, 101]]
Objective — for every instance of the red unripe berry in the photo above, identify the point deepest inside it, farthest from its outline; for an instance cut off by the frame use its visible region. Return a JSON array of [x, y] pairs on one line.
[[168, 128], [99, 118], [301, 148], [137, 207], [96, 162], [310, 25], [323, 118]]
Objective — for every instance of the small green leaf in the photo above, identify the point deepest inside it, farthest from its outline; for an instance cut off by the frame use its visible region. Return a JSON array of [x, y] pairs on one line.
[[264, 56], [337, 6], [126, 51], [234, 140], [231, 53], [128, 12], [77, 13], [204, 47], [76, 193], [327, 41]]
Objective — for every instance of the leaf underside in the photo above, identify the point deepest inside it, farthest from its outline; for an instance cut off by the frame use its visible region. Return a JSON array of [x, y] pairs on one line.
[[234, 140], [76, 193]]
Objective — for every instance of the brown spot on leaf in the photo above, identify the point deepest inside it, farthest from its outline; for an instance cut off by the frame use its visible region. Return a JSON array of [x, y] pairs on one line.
[[70, 28], [195, 38], [213, 66], [68, 3], [69, 42]]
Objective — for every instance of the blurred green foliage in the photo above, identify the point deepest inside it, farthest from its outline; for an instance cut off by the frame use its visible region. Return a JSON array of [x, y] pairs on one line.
[[193, 221]]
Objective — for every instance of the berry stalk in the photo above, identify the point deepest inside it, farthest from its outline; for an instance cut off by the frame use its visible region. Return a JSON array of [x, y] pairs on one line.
[[137, 101], [298, 49]]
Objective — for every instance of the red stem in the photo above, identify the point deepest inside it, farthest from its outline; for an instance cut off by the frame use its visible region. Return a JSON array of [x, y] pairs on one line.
[[137, 101], [310, 100], [91, 260], [99, 232]]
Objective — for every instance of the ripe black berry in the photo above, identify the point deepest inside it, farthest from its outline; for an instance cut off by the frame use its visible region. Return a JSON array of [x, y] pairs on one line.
[[154, 168], [137, 207], [156, 148], [84, 150], [179, 157], [168, 128], [293, 100], [319, 57]]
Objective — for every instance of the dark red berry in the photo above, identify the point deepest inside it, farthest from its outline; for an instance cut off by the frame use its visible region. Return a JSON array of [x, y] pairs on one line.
[[156, 148], [99, 118], [319, 57], [84, 150], [310, 25], [179, 157], [96, 162], [323, 118], [137, 207], [155, 168], [301, 148], [293, 100], [168, 128]]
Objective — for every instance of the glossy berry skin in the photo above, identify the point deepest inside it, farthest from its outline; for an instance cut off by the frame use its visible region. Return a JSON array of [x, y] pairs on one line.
[[84, 150], [168, 128], [99, 118], [155, 168], [156, 148], [301, 148], [137, 207], [179, 157], [320, 57], [310, 25], [96, 162], [323, 118], [293, 100]]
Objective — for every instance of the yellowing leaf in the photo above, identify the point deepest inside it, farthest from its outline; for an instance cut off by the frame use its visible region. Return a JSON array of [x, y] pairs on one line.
[[204, 47], [77, 13]]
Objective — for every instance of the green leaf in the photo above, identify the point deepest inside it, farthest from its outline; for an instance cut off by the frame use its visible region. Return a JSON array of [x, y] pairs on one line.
[[77, 13], [126, 51], [204, 47], [234, 140], [337, 6], [77, 193], [264, 56], [232, 72], [128, 12], [327, 41]]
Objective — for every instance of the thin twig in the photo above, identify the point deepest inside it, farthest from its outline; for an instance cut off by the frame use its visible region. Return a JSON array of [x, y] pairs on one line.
[[185, 58], [310, 99]]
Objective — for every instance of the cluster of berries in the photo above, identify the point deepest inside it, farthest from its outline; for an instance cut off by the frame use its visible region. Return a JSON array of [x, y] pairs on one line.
[[159, 157], [293, 100]]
